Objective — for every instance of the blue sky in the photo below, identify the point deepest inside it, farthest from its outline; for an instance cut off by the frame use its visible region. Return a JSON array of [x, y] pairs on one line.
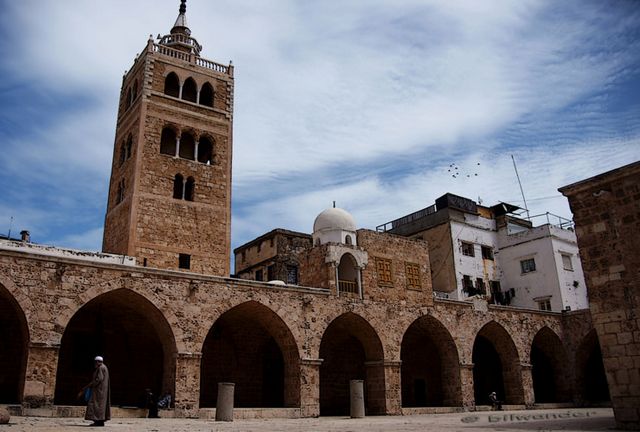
[[366, 103]]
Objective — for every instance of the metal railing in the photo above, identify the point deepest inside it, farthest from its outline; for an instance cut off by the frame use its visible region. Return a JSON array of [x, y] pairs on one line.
[[347, 286]]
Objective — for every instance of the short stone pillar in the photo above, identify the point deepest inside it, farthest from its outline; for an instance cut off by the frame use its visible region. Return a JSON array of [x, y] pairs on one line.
[[224, 405], [356, 391]]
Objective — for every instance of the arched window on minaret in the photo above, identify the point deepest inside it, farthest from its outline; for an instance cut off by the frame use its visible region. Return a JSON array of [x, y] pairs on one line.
[[129, 145], [178, 186], [187, 146], [190, 90], [129, 98], [168, 141], [172, 85], [205, 151], [123, 152], [189, 189], [206, 95]]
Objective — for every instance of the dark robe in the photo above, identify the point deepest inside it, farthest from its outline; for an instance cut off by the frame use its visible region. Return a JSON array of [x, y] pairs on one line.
[[99, 406]]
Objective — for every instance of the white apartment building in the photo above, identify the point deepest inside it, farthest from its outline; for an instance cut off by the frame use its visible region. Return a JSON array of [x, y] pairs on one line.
[[495, 253]]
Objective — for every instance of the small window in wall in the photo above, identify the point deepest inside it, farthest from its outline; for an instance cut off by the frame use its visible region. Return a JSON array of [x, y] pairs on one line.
[[172, 85], [178, 189], [259, 275], [467, 285], [244, 256], [292, 274], [271, 272], [129, 145], [480, 288], [528, 265], [544, 304], [347, 239], [189, 90], [189, 189], [566, 262], [413, 276], [184, 261], [206, 95], [487, 252], [467, 249], [205, 151], [168, 142], [120, 193], [383, 268]]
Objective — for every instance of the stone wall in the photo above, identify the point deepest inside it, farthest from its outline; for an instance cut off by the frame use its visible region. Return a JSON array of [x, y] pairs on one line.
[[62, 300], [606, 211]]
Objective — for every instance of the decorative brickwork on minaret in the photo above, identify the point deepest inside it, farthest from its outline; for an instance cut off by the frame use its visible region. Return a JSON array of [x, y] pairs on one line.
[[170, 192]]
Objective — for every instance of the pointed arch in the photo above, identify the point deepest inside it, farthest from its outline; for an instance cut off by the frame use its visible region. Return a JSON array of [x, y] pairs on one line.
[[548, 368], [190, 90], [348, 272], [178, 186], [430, 365], [168, 141], [187, 146], [14, 342], [172, 85], [496, 366], [134, 338], [591, 379], [129, 146], [206, 95], [189, 189], [351, 349], [205, 150], [251, 346]]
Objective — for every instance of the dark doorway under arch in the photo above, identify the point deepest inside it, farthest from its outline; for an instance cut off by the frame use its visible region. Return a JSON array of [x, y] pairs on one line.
[[590, 374], [133, 337], [14, 339], [351, 350], [496, 366], [430, 366], [252, 347], [548, 363]]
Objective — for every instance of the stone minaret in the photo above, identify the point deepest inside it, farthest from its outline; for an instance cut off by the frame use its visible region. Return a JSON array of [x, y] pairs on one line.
[[169, 199]]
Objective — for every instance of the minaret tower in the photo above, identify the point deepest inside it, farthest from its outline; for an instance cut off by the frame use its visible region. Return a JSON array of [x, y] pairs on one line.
[[170, 191]]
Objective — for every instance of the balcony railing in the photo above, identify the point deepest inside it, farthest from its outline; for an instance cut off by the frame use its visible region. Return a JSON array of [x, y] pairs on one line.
[[191, 58], [347, 286]]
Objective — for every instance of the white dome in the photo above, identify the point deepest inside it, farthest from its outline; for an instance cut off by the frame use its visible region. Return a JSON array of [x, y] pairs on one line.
[[334, 219]]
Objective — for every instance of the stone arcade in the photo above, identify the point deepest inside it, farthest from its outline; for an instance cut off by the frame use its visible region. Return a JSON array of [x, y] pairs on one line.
[[162, 309]]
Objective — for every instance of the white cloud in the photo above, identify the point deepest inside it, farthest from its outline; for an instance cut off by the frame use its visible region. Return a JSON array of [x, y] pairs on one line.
[[365, 103]]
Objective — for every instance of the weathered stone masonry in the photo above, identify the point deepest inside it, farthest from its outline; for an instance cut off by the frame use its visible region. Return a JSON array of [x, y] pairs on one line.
[[177, 312]]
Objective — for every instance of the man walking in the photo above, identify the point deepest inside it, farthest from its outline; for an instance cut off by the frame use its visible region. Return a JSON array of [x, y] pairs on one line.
[[99, 404]]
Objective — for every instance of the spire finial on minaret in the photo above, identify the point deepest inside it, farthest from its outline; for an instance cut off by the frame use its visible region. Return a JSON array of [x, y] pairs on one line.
[[183, 7]]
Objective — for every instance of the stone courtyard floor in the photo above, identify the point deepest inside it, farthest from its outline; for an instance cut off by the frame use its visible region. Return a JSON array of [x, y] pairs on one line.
[[573, 419]]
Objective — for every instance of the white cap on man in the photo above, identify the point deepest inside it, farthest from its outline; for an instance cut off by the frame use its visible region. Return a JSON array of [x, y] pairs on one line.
[[98, 358]]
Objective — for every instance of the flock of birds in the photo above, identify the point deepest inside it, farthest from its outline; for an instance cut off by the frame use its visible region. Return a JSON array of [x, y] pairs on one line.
[[456, 172]]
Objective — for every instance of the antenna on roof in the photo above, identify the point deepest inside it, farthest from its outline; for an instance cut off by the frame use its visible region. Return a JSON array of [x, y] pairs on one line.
[[10, 226], [520, 184], [334, 204]]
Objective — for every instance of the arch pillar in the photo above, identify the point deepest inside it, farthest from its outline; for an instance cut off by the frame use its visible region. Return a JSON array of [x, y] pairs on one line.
[[310, 387], [385, 375], [527, 384], [187, 384], [40, 379], [467, 386]]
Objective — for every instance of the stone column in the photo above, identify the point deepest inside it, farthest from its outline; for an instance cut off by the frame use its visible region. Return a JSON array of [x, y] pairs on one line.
[[40, 377], [466, 384], [310, 387], [177, 146], [383, 387], [224, 404], [187, 397], [393, 386], [356, 398], [527, 385]]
